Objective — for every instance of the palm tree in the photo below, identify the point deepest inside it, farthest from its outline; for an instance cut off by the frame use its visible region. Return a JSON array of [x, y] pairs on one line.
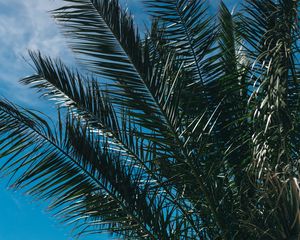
[[190, 131]]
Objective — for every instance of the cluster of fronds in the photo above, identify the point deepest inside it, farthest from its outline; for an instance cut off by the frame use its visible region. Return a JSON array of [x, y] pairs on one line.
[[189, 132]]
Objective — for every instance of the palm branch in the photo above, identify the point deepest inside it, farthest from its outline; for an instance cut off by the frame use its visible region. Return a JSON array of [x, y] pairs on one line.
[[187, 132]]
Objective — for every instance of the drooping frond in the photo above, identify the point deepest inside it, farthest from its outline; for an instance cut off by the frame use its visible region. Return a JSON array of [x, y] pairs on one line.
[[274, 76], [80, 95], [188, 132], [270, 30], [84, 99], [83, 181], [154, 99]]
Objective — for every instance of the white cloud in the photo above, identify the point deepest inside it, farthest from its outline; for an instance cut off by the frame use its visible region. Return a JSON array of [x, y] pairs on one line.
[[26, 25]]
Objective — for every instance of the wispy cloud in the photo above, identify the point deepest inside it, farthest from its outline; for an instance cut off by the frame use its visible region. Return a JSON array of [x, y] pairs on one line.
[[25, 25]]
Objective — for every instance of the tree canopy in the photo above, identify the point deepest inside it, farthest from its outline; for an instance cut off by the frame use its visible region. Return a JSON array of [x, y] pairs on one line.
[[187, 131]]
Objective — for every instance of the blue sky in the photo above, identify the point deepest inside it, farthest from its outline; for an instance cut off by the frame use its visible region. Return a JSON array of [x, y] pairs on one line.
[[27, 25]]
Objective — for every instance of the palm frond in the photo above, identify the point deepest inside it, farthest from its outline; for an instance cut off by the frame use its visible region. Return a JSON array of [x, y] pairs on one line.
[[273, 51], [153, 102], [188, 29], [80, 95], [83, 98], [188, 132], [143, 92], [78, 175], [270, 31]]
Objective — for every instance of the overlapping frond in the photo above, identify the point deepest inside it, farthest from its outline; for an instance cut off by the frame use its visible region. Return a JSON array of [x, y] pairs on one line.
[[270, 31], [273, 53], [139, 84], [153, 98], [190, 132], [84, 99], [188, 29], [85, 182]]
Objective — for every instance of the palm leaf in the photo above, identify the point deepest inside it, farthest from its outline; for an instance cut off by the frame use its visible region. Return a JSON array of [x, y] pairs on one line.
[[145, 95], [190, 132], [57, 82], [270, 43], [188, 30], [74, 174]]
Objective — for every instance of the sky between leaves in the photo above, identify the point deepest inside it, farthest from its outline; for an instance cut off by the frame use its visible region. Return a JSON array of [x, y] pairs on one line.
[[27, 25]]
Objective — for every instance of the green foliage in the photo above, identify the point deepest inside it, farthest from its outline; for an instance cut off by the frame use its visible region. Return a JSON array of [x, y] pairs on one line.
[[189, 132]]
